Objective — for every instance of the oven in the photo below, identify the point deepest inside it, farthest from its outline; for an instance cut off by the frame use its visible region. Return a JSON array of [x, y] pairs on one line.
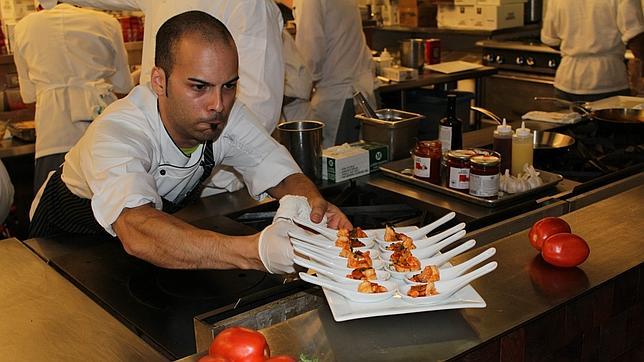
[[526, 70]]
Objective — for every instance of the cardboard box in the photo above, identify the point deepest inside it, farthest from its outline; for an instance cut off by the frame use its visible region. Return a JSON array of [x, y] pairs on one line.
[[399, 74], [498, 2], [491, 17], [344, 162], [465, 2], [456, 17], [422, 15]]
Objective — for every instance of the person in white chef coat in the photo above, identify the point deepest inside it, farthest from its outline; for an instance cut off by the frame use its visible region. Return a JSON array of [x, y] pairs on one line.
[[330, 38], [7, 192], [592, 36], [70, 62], [256, 26], [148, 154]]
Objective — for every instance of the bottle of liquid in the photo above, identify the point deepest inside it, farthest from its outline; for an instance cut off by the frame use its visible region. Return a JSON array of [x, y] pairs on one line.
[[503, 145], [521, 149], [450, 127]]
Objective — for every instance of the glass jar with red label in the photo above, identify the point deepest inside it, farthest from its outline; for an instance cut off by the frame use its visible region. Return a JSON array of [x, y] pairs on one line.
[[427, 161], [484, 176], [458, 169]]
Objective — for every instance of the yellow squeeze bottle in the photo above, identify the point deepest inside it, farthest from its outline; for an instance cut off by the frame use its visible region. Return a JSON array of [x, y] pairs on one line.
[[522, 149]]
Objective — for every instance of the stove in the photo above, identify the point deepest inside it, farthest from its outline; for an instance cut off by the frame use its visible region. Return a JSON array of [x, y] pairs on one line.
[[527, 55]]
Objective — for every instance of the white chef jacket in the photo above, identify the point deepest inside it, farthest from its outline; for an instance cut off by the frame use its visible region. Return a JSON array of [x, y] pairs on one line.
[[6, 193], [591, 35], [330, 38], [68, 61], [298, 82], [127, 159], [256, 27]]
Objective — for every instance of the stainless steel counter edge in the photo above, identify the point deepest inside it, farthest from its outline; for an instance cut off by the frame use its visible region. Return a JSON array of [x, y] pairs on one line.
[[45, 317]]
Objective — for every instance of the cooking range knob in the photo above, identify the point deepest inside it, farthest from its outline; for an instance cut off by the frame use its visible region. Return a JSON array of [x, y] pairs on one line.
[[500, 59], [552, 63], [519, 60], [489, 57], [530, 61]]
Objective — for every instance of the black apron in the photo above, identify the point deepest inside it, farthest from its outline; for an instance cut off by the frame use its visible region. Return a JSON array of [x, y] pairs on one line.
[[61, 212]]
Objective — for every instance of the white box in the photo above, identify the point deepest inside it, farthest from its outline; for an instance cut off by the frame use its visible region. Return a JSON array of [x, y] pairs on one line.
[[340, 163], [400, 73], [498, 2], [491, 17], [455, 17], [466, 2]]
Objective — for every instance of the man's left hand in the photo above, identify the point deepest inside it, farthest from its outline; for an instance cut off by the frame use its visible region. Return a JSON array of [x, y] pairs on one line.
[[335, 217]]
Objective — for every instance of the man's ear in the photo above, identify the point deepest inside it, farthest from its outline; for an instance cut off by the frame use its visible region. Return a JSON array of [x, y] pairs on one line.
[[158, 81]]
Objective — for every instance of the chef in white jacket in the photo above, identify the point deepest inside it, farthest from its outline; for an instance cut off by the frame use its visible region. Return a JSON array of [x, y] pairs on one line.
[[149, 153], [69, 62], [256, 26], [330, 38]]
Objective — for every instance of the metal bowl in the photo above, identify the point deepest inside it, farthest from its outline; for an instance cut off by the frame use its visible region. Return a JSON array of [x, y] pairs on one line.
[[551, 140]]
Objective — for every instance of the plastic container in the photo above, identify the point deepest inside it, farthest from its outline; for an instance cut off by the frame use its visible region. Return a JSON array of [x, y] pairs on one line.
[[503, 145], [522, 149]]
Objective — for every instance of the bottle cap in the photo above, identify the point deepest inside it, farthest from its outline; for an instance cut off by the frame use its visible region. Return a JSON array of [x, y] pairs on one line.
[[523, 131], [384, 55], [504, 129]]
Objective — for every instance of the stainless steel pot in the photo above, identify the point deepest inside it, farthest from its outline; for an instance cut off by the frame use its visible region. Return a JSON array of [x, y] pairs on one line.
[[412, 53]]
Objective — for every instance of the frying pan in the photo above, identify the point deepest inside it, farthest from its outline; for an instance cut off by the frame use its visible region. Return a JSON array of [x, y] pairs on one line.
[[611, 115], [541, 140]]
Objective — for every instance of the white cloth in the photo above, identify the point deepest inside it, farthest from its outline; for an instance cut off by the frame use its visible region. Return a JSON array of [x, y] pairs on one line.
[[256, 27], [6, 193], [553, 117], [591, 35], [69, 60], [127, 159], [330, 38]]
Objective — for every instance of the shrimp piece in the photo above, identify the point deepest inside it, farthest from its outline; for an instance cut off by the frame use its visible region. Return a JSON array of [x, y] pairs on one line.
[[404, 261], [346, 251], [355, 243], [357, 233], [430, 273], [362, 274], [369, 287], [359, 259], [407, 243], [423, 290], [341, 241]]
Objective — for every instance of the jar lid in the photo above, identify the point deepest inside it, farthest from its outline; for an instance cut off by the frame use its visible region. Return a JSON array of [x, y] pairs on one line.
[[428, 144], [461, 154], [486, 160]]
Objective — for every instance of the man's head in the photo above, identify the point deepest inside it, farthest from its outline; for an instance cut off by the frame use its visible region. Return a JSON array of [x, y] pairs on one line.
[[195, 76]]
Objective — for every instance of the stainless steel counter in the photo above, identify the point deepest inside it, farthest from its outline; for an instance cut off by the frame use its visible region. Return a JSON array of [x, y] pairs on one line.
[[45, 317], [14, 147], [521, 290]]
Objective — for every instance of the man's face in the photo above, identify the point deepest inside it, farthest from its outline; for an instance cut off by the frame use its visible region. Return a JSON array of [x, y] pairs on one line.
[[195, 101]]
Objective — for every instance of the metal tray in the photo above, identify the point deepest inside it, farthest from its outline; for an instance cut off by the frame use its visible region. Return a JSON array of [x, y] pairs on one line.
[[401, 170]]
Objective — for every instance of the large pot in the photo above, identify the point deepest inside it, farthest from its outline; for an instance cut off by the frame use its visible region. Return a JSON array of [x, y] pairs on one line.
[[412, 53]]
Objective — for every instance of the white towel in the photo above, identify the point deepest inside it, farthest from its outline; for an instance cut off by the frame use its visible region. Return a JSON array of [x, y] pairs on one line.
[[553, 117]]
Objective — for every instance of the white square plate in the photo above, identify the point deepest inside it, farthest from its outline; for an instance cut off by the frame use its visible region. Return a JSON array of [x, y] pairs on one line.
[[344, 309]]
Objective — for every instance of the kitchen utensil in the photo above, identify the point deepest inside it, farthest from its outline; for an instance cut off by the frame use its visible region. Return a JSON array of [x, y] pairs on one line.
[[303, 139], [335, 274], [323, 242], [423, 231], [364, 103], [437, 260], [331, 234], [452, 272], [329, 253], [336, 262], [446, 288], [428, 251], [412, 53], [427, 241], [350, 291]]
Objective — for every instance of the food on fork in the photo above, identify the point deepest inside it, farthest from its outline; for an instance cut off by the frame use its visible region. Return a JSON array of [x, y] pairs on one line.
[[406, 243], [423, 290], [359, 259], [429, 274], [392, 235], [352, 234], [362, 274], [369, 287], [343, 241], [404, 261]]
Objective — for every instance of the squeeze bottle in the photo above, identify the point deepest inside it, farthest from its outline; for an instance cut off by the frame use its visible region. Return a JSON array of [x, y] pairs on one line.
[[521, 149], [503, 145]]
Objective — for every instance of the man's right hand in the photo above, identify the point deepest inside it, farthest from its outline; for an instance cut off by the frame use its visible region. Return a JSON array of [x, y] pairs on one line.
[[275, 249]]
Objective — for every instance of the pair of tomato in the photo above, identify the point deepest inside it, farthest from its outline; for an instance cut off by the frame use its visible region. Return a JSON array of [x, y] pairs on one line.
[[238, 344], [553, 237]]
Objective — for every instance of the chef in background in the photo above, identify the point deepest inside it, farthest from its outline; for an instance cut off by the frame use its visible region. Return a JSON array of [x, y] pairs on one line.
[[149, 153], [592, 36], [72, 63], [330, 38], [6, 193], [256, 26]]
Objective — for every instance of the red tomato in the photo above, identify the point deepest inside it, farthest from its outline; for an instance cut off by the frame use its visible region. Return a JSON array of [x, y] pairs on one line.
[[237, 344], [565, 250], [545, 227], [282, 358]]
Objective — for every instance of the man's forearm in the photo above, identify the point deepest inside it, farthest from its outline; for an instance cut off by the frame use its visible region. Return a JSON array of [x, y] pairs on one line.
[[168, 242], [295, 184]]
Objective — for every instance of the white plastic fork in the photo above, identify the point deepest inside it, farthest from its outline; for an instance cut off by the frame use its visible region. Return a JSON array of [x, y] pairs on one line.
[[435, 248], [445, 257]]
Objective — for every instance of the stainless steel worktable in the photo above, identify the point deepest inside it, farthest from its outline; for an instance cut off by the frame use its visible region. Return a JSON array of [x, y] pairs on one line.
[[520, 295], [44, 317]]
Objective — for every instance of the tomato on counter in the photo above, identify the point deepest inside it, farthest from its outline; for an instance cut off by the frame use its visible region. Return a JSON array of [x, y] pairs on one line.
[[546, 227], [565, 250]]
